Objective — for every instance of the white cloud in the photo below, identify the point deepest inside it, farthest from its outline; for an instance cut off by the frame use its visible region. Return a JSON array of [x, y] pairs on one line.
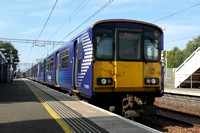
[[30, 31]]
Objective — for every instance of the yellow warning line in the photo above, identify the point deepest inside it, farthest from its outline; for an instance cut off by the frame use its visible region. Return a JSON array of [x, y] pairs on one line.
[[52, 113]]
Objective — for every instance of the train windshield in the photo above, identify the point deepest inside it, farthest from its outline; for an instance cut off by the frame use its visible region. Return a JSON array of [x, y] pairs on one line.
[[129, 45], [151, 45], [112, 43], [104, 43]]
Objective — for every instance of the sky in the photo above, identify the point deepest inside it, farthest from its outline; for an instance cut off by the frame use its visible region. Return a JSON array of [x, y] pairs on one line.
[[25, 19]]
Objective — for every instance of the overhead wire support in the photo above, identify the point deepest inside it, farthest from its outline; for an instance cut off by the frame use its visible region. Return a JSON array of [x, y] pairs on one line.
[[42, 42], [176, 13]]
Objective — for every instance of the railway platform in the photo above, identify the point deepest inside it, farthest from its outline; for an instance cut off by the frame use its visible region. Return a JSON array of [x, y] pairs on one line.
[[184, 91], [27, 106]]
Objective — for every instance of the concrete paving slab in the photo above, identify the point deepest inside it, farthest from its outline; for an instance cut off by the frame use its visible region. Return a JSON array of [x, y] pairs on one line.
[[21, 112]]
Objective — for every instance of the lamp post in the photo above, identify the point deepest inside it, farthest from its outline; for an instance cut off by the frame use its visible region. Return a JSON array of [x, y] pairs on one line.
[[11, 67]]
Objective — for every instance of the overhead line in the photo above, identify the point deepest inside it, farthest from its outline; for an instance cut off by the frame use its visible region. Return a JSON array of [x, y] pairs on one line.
[[138, 8], [29, 53], [69, 18], [176, 13], [99, 10], [43, 27], [30, 41], [47, 19], [180, 39]]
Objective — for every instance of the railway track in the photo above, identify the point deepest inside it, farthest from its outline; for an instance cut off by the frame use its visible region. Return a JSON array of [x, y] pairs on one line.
[[171, 121], [190, 119], [182, 103]]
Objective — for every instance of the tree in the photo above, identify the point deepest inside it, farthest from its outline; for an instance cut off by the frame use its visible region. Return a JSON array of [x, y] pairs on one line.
[[10, 49], [191, 47], [175, 58]]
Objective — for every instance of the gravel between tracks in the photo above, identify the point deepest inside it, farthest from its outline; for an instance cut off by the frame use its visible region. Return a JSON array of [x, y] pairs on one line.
[[168, 125]]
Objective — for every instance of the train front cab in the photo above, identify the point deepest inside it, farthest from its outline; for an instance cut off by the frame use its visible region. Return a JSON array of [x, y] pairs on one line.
[[127, 64]]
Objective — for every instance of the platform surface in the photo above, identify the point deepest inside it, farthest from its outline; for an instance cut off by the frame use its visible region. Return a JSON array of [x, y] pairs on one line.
[[183, 91], [22, 111]]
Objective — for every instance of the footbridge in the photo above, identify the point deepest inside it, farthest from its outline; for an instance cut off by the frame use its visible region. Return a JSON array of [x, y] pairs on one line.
[[188, 73]]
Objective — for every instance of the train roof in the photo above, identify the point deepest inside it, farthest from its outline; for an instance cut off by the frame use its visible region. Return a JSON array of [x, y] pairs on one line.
[[114, 20], [127, 21]]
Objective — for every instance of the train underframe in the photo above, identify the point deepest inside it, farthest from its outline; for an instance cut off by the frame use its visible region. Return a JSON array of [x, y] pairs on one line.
[[133, 106], [128, 105]]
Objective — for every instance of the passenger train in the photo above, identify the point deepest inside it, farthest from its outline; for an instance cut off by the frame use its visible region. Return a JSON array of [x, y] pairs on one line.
[[118, 61]]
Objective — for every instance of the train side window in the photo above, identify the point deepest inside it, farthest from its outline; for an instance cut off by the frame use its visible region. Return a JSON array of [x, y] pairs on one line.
[[152, 45], [36, 70], [41, 67], [103, 41], [80, 49], [47, 66], [51, 64], [65, 59]]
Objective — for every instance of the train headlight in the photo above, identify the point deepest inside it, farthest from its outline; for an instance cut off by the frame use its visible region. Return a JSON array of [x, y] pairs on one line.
[[104, 81], [151, 81]]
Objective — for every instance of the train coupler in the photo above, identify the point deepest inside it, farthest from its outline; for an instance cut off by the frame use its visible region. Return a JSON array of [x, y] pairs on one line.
[[131, 106]]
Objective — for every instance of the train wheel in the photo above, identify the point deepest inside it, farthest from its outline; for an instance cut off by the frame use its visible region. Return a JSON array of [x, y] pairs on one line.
[[131, 114]]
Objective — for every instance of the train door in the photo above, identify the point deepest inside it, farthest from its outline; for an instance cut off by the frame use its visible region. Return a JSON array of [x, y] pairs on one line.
[[57, 68], [38, 71], [77, 63], [44, 70], [129, 68]]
